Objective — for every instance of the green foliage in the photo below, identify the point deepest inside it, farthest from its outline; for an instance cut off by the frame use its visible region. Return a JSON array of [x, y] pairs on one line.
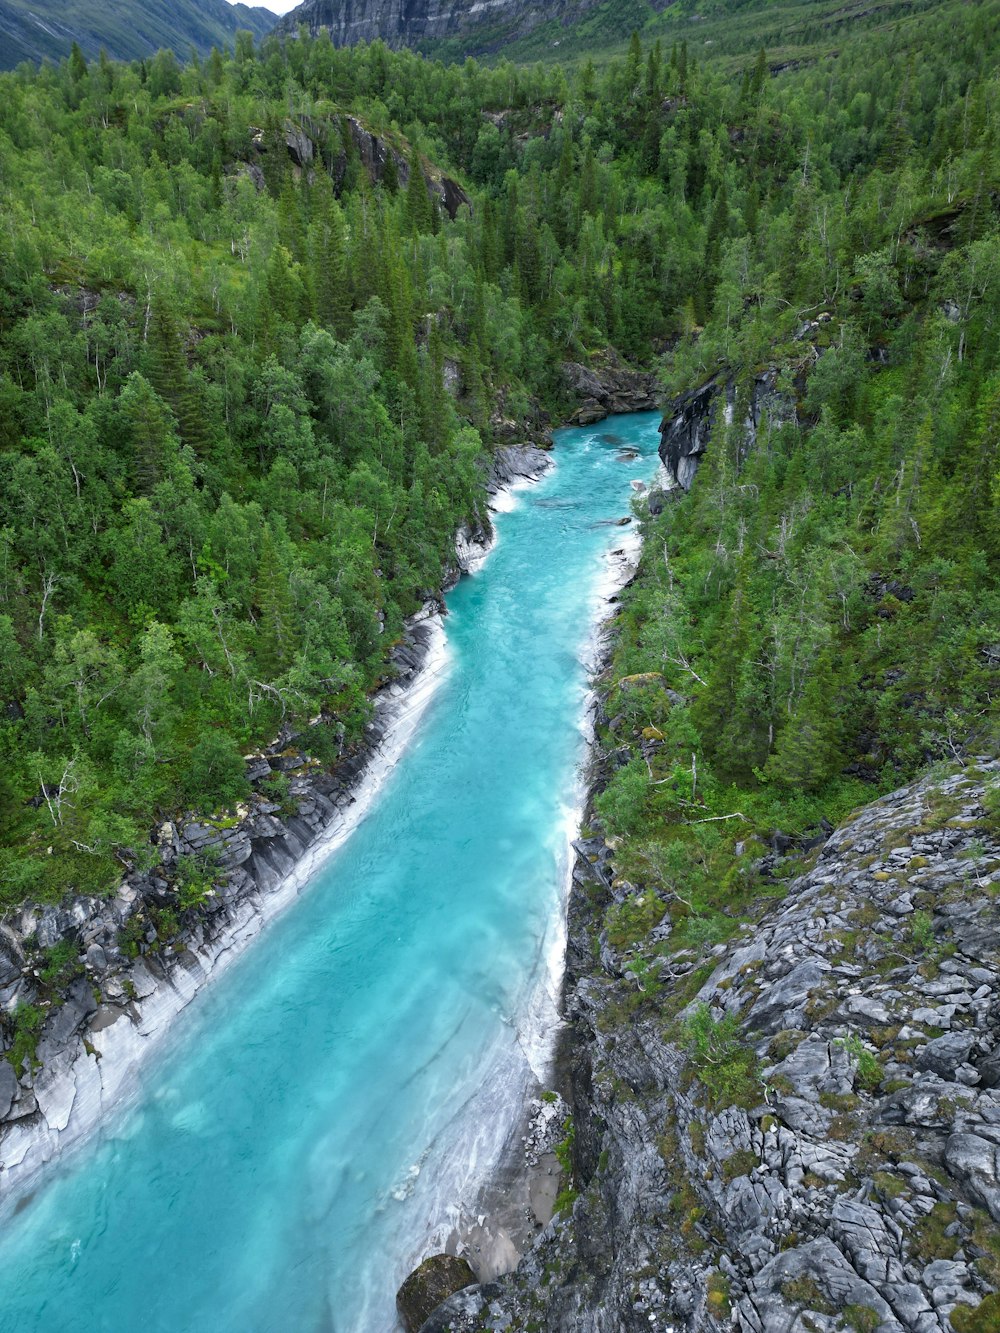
[[725, 1066], [564, 1156], [630, 921], [214, 774], [982, 1319], [27, 1021], [991, 807], [929, 1240], [922, 930], [862, 1318], [195, 877], [61, 964], [717, 1297], [621, 804], [868, 1071]]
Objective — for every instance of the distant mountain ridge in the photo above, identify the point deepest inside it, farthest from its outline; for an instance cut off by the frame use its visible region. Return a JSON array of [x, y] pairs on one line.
[[484, 26], [37, 30]]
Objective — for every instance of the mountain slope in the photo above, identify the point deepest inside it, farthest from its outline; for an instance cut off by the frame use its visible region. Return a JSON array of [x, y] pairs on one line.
[[126, 29], [793, 32], [478, 28]]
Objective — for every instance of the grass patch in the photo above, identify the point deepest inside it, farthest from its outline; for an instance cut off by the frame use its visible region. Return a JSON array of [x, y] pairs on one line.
[[927, 1239], [564, 1156], [27, 1021], [985, 1318]]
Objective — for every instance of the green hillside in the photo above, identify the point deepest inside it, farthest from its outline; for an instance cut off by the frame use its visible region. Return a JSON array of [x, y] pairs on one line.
[[229, 465], [38, 30]]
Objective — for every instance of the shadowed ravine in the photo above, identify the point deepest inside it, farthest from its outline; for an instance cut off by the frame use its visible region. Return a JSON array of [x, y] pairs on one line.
[[353, 1076]]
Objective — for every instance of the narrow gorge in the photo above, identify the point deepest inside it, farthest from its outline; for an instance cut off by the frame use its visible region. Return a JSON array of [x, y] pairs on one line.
[[321, 1112]]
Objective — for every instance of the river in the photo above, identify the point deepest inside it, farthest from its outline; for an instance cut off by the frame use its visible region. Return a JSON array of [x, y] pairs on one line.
[[319, 1112]]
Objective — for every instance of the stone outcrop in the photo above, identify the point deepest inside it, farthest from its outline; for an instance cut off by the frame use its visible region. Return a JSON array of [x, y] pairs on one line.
[[319, 144], [607, 386], [855, 1183], [690, 418], [480, 29], [509, 466], [434, 1281]]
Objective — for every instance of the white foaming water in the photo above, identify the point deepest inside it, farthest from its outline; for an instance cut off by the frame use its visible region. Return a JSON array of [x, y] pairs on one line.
[[330, 1106]]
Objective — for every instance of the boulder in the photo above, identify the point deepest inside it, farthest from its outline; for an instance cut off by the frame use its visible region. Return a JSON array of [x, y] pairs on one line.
[[432, 1282], [944, 1054]]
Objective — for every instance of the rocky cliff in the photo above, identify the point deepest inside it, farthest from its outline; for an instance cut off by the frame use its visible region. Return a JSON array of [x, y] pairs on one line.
[[321, 145], [803, 1133], [482, 27], [689, 420], [606, 385]]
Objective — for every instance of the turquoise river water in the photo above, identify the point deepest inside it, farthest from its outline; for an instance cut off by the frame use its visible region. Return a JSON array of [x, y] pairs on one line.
[[320, 1111]]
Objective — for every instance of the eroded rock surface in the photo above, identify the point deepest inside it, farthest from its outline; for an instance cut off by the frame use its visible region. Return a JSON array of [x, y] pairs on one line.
[[690, 419], [858, 1186], [480, 27], [607, 386]]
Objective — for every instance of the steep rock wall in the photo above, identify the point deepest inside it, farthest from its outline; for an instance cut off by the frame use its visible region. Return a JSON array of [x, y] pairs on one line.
[[864, 1177], [484, 25], [690, 419], [313, 144], [605, 386]]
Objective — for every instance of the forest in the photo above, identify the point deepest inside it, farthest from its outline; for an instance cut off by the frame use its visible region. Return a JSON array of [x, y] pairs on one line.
[[248, 391]]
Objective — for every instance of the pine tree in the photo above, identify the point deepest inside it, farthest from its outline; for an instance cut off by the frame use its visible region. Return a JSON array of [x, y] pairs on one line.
[[151, 429], [417, 208], [276, 639], [587, 196], [333, 298], [77, 64]]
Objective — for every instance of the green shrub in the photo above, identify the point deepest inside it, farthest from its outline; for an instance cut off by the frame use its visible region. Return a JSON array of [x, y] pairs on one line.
[[922, 930], [726, 1067], [62, 964], [622, 804], [195, 876], [28, 1020], [868, 1071], [215, 774], [985, 1318]]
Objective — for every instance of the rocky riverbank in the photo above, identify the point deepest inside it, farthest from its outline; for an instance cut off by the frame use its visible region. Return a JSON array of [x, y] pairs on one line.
[[805, 1133], [605, 386], [502, 1224], [128, 963]]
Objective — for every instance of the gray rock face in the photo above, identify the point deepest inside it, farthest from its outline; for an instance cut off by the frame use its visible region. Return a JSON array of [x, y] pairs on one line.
[[608, 386], [690, 419], [8, 1087], [319, 144], [853, 1185], [399, 23]]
